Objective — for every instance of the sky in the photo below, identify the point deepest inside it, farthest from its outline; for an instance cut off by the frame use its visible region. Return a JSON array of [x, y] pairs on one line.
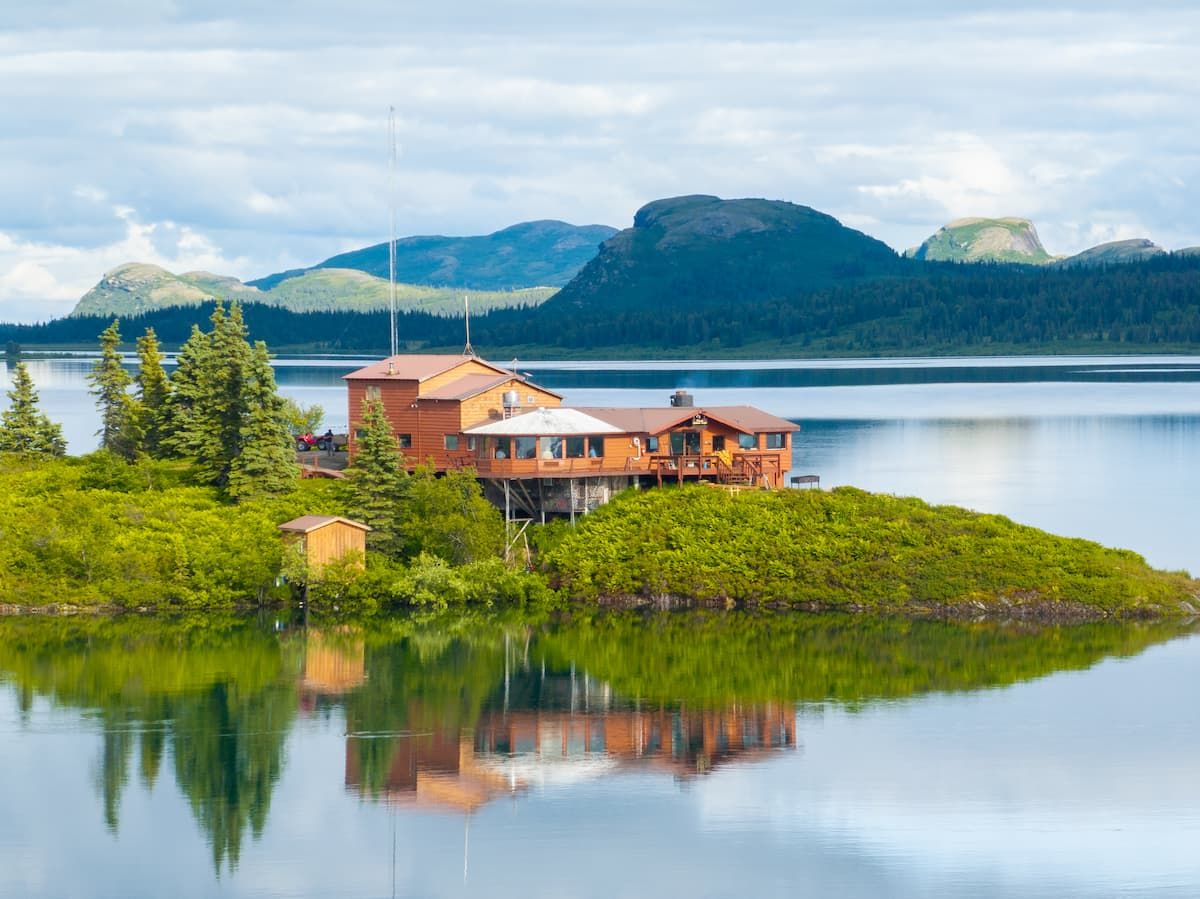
[[248, 137]]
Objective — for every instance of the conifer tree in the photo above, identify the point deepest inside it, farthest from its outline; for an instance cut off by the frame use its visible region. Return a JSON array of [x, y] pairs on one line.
[[377, 480], [24, 428], [119, 415], [266, 461], [184, 400], [153, 388]]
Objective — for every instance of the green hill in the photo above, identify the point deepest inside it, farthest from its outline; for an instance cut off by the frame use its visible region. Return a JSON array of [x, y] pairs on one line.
[[701, 250], [1114, 253], [529, 254], [137, 287], [985, 240]]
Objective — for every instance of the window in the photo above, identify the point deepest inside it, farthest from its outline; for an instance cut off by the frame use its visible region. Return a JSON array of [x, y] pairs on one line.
[[574, 447], [718, 443], [747, 441], [652, 444], [595, 447], [373, 392], [503, 448], [359, 433], [552, 447], [451, 441], [404, 440], [526, 448], [471, 444], [776, 441]]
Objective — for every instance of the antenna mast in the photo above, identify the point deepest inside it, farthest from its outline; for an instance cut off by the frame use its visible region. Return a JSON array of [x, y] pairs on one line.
[[468, 350], [392, 222]]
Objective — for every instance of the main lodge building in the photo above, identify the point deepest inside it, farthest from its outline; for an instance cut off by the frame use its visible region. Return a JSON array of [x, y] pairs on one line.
[[536, 456]]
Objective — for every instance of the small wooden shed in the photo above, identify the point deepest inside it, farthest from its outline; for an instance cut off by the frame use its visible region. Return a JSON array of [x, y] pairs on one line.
[[325, 538]]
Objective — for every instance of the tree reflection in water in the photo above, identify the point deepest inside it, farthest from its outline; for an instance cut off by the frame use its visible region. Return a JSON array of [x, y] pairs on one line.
[[452, 711]]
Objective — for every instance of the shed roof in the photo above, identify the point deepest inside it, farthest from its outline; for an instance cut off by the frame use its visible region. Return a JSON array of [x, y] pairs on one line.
[[306, 524], [417, 367], [539, 422], [656, 419]]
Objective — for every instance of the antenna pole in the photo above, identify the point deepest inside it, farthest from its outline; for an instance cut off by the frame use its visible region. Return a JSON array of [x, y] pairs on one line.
[[468, 350], [392, 230]]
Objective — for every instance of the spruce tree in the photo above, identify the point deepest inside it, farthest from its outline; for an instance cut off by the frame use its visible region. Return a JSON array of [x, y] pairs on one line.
[[174, 421], [153, 388], [119, 415], [266, 461], [377, 480], [24, 428]]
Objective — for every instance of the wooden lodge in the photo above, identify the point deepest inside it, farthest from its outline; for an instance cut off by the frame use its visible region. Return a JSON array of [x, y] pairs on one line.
[[536, 457]]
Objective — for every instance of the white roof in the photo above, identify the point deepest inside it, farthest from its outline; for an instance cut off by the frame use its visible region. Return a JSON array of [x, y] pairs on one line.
[[546, 422]]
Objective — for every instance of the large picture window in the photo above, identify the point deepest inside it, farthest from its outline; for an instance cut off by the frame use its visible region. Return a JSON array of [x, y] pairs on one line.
[[747, 441], [595, 447], [526, 447], [776, 441], [574, 447]]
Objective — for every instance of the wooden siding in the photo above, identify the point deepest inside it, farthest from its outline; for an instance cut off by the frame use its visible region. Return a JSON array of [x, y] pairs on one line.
[[334, 540]]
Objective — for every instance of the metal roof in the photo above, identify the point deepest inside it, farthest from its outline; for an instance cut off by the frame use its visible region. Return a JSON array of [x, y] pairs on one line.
[[417, 367], [656, 420], [546, 422], [306, 524]]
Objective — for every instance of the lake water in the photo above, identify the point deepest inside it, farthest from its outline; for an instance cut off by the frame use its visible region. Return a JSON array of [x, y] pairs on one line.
[[681, 754], [1106, 448], [684, 754]]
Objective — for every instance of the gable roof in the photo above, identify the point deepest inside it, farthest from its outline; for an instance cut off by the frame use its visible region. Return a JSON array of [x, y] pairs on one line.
[[306, 524], [548, 422], [656, 420], [417, 367], [474, 384]]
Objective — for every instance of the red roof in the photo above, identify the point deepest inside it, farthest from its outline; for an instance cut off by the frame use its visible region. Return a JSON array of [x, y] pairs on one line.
[[306, 524], [417, 367], [472, 385], [656, 420]]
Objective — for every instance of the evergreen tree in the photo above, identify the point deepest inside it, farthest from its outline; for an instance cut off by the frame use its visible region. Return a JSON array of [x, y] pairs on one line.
[[153, 388], [266, 461], [377, 480], [23, 427], [175, 419], [119, 414]]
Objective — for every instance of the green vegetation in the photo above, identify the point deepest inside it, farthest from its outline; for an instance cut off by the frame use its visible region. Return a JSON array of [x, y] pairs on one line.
[[985, 240], [851, 550], [729, 299], [24, 428], [1117, 252], [119, 415], [135, 289], [530, 253]]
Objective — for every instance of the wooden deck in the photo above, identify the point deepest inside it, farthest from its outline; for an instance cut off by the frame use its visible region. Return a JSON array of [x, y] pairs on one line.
[[753, 469]]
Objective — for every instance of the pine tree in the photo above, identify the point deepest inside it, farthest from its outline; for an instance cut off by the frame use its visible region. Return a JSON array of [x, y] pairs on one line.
[[153, 389], [119, 414], [377, 480], [266, 462], [174, 421], [23, 427]]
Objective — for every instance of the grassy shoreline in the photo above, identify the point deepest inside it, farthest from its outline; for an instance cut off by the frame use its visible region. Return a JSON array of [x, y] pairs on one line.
[[94, 535]]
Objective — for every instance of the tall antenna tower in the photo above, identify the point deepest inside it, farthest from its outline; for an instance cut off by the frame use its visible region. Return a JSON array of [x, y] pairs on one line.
[[392, 230], [468, 350]]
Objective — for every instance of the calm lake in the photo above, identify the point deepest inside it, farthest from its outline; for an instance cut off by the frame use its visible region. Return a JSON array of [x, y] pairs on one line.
[[666, 754]]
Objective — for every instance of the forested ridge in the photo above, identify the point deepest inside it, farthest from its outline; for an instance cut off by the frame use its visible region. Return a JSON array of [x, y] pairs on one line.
[[921, 307]]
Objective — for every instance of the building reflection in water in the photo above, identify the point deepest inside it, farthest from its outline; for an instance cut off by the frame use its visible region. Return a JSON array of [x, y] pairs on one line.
[[564, 729]]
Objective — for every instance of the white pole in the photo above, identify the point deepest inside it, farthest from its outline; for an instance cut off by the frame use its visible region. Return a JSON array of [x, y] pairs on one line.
[[392, 230]]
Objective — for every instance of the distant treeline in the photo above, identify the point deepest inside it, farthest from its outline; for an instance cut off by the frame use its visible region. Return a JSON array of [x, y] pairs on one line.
[[926, 305]]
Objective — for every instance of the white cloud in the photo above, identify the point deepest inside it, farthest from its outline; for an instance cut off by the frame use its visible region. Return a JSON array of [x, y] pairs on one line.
[[270, 142], [42, 280]]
